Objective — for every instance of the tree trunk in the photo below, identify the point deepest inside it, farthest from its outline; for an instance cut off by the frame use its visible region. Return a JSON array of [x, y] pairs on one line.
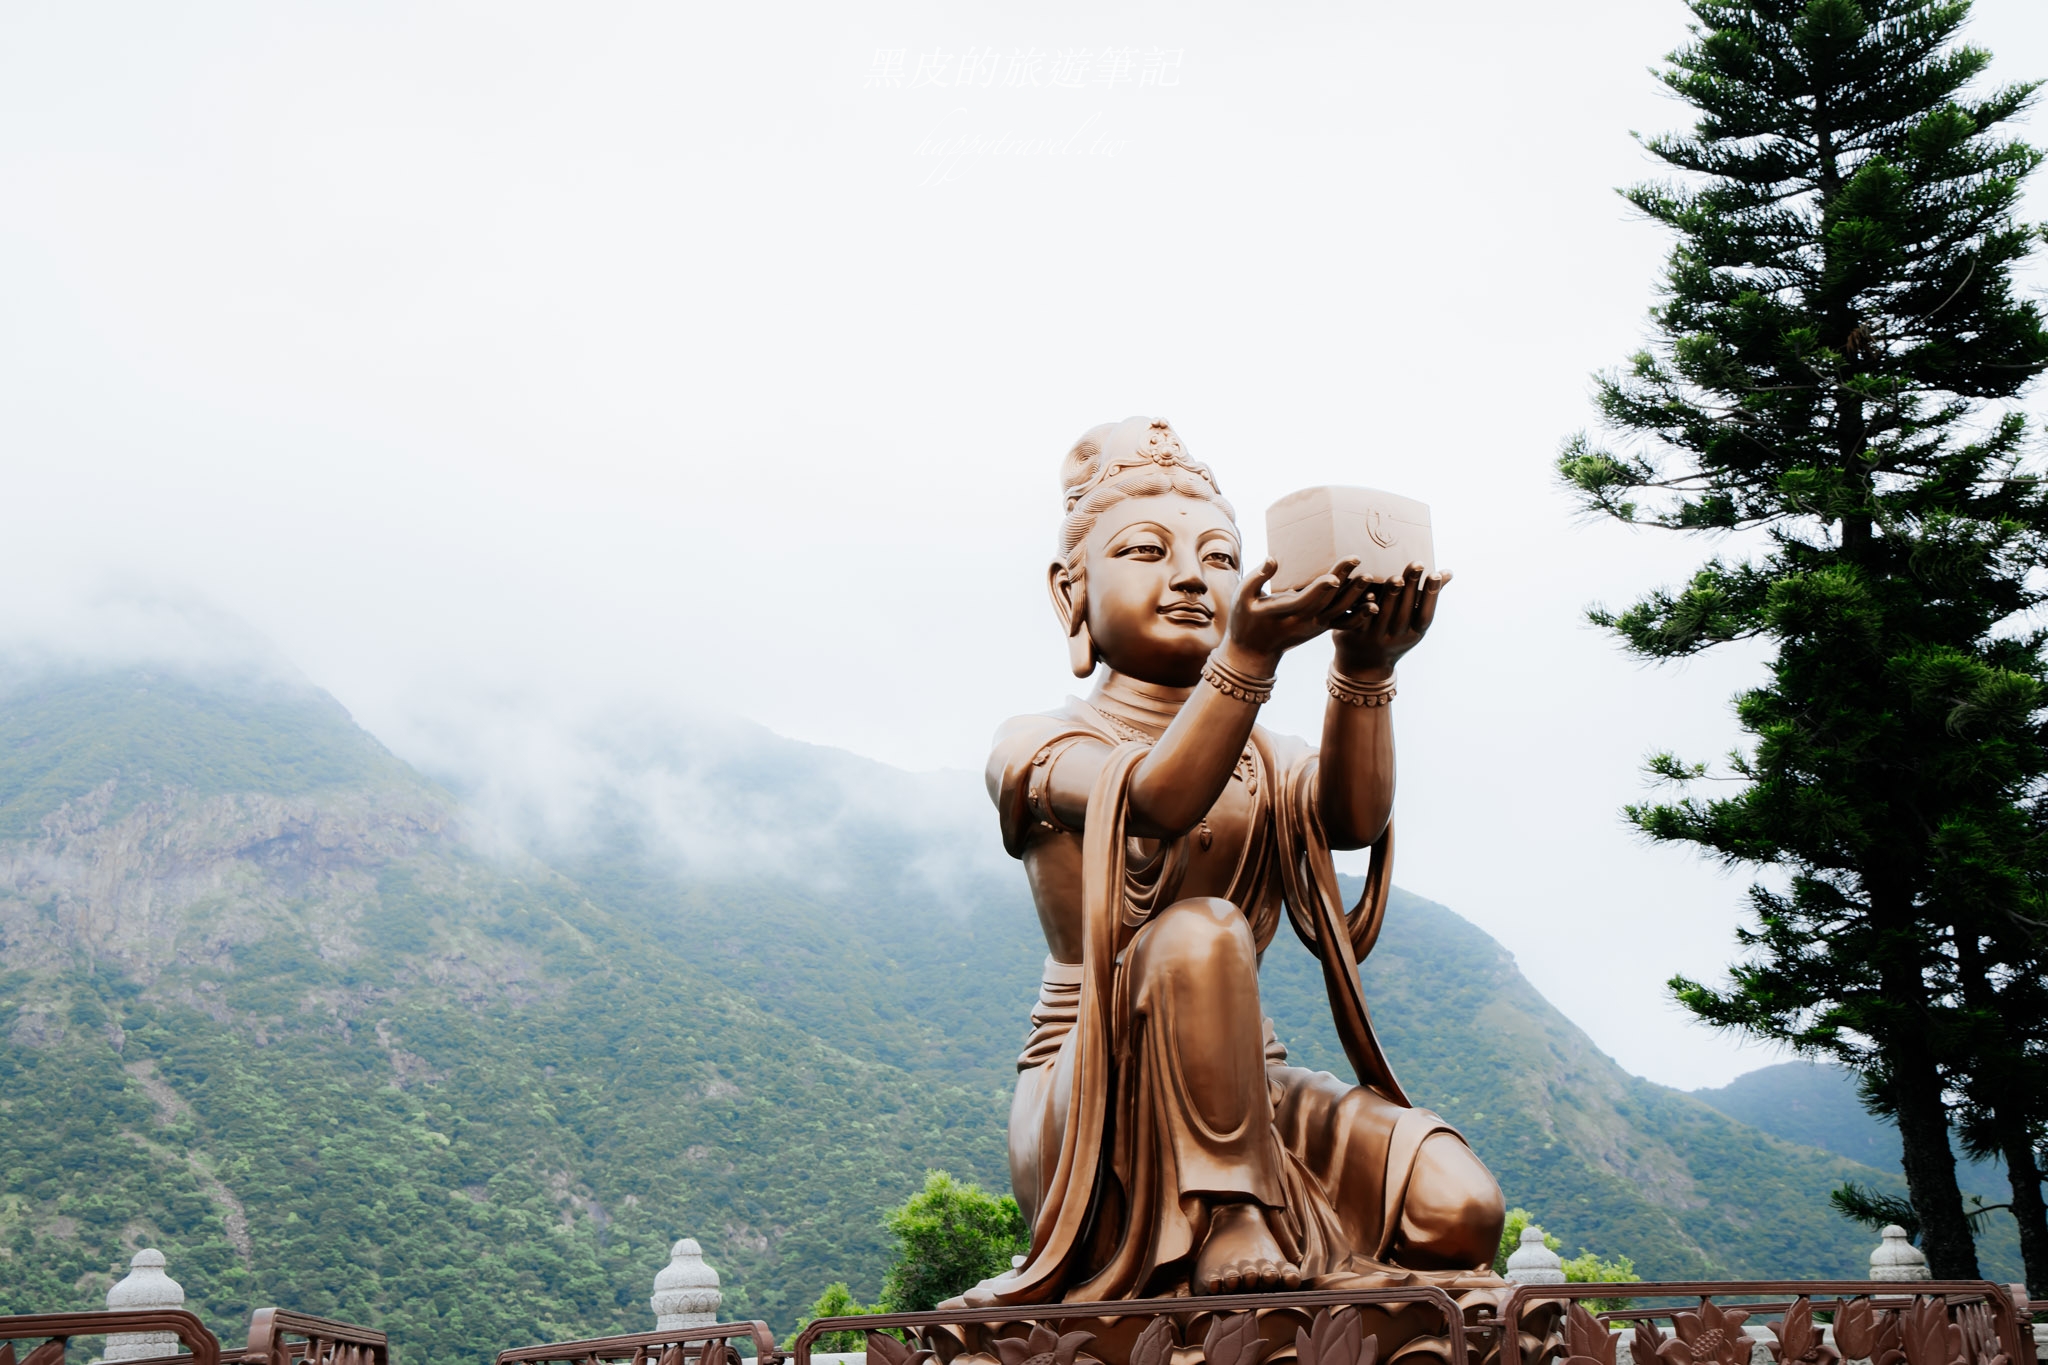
[[2003, 1097], [1851, 434], [1930, 1166], [2027, 1207], [1913, 1084]]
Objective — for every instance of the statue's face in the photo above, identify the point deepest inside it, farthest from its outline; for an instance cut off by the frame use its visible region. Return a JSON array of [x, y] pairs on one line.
[[1162, 573]]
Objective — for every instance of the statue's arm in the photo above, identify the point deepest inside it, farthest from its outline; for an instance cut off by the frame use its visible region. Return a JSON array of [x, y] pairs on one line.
[[1181, 779], [1355, 777]]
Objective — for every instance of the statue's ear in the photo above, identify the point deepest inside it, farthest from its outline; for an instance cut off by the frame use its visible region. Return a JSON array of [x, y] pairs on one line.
[[1069, 593]]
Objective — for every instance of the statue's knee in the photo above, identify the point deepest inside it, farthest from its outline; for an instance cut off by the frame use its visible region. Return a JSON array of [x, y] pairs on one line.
[[1201, 928], [1454, 1212]]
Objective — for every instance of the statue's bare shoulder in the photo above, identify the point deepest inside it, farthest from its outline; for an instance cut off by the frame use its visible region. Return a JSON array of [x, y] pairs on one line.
[[1021, 739]]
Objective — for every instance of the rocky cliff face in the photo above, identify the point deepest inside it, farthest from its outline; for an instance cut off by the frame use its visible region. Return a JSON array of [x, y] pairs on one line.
[[181, 878], [166, 891]]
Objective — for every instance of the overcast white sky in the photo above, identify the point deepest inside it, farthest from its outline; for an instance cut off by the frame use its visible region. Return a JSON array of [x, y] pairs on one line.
[[572, 354]]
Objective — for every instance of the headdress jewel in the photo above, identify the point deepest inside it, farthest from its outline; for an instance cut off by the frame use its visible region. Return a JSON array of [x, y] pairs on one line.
[[1131, 444]]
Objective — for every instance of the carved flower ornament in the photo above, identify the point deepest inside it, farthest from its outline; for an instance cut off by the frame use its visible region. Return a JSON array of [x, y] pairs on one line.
[[1587, 1340], [1339, 1340], [1331, 1339], [1712, 1336], [1931, 1339], [1044, 1347], [889, 1351], [1864, 1333], [1798, 1343]]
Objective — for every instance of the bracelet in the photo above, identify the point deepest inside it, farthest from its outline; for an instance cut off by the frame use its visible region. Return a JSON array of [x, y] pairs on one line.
[[1352, 692], [1231, 683]]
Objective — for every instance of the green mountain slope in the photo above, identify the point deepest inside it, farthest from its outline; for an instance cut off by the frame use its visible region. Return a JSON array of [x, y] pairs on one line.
[[326, 1054], [941, 984], [1808, 1103], [1608, 1160], [889, 969], [1817, 1105], [267, 1001], [64, 736]]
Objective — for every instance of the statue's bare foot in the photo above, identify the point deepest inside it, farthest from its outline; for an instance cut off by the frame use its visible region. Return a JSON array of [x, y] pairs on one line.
[[1240, 1256]]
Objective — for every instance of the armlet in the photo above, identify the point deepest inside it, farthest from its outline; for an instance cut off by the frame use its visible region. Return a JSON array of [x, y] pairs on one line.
[[1038, 786]]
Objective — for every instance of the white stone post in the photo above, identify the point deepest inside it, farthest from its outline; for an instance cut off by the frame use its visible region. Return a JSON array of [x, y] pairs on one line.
[[2020, 1301], [146, 1286], [1898, 1259], [1533, 1262], [686, 1291]]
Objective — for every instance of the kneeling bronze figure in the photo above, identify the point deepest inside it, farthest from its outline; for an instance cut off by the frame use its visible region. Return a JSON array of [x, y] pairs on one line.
[[1160, 1144]]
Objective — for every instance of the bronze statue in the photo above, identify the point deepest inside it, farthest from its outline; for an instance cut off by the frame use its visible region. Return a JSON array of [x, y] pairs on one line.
[[1159, 1142]]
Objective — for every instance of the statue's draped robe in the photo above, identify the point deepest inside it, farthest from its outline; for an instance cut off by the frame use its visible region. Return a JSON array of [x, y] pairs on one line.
[[1128, 1122]]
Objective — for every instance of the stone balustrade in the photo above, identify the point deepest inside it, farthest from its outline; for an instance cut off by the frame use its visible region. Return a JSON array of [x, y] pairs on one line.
[[146, 1287], [1534, 1263], [686, 1291], [1896, 1258]]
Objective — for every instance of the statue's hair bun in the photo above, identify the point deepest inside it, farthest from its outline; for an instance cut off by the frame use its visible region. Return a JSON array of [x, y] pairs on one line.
[[1136, 457], [1083, 462]]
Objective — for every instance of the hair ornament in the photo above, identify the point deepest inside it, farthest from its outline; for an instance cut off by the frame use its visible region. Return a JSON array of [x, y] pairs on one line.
[[1115, 448], [1161, 444]]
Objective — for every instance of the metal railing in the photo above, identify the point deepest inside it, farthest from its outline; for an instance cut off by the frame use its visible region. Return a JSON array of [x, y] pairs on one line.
[[1926, 1322], [1957, 1322], [277, 1336], [57, 1330], [1159, 1331], [710, 1345]]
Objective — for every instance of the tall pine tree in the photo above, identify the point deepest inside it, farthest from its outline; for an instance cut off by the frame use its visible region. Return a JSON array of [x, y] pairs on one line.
[[1836, 351]]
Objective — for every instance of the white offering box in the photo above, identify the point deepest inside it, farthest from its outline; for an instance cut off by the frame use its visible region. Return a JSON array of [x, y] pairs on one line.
[[1311, 530]]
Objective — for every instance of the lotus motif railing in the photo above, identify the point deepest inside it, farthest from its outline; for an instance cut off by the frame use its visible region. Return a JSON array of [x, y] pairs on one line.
[[1962, 1322], [1327, 1327], [1955, 1322]]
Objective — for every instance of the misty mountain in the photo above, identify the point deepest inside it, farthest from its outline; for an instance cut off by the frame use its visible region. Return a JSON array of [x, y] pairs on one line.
[[275, 1002], [268, 1002], [1815, 1104], [935, 974], [720, 799]]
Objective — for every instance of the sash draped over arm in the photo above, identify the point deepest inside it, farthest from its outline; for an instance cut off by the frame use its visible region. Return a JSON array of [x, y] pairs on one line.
[[1340, 941], [1059, 1236]]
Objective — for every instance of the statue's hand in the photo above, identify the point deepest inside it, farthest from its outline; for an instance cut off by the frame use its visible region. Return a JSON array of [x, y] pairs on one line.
[[1391, 620], [1265, 627]]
